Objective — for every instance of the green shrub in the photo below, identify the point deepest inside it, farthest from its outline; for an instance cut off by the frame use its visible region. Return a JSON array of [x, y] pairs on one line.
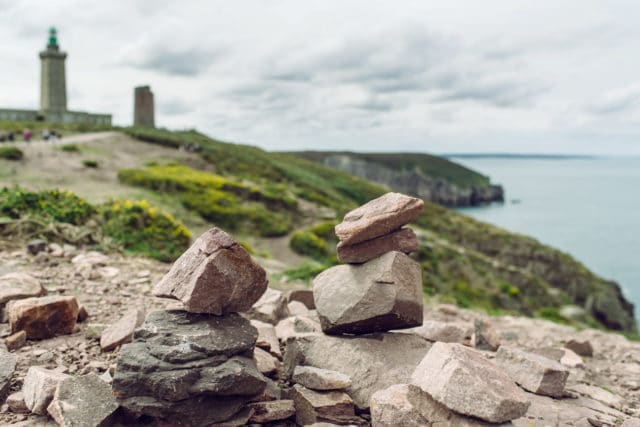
[[57, 205], [224, 202], [11, 153], [90, 163], [70, 148], [552, 314], [305, 272], [309, 244], [145, 230]]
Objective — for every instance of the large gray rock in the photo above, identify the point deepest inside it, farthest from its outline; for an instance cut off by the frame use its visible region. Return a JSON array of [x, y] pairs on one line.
[[181, 364], [215, 275], [378, 217], [43, 317], [466, 382], [407, 405], [373, 362], [39, 387], [83, 401], [121, 331], [403, 240], [533, 372], [7, 368], [18, 286], [382, 294]]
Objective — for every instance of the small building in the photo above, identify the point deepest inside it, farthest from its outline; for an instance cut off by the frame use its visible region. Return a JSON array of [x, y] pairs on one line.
[[143, 110], [53, 92]]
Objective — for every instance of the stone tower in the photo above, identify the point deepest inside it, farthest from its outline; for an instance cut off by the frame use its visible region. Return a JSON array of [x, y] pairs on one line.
[[53, 87], [143, 107]]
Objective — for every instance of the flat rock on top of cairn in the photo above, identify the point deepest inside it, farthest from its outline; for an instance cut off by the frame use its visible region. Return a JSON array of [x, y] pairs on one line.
[[215, 275], [378, 217], [381, 295]]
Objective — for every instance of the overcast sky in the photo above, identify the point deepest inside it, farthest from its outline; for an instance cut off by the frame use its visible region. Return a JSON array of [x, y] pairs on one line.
[[433, 76]]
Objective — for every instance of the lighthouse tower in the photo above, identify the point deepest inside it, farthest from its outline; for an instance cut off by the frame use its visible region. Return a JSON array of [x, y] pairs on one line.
[[53, 87]]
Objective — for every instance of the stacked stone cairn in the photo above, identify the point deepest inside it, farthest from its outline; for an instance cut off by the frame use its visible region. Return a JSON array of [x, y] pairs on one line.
[[381, 287], [195, 366]]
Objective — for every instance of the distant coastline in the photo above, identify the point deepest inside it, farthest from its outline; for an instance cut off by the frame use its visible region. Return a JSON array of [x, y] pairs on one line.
[[517, 156]]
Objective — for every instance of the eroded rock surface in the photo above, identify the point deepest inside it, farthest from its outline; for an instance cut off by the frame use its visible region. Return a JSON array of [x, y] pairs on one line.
[[403, 240], [43, 317]]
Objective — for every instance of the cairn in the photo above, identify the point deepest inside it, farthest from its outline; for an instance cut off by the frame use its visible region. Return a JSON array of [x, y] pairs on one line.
[[195, 366], [380, 288]]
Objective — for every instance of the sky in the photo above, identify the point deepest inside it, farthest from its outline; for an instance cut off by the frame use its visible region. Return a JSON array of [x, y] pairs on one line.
[[517, 76]]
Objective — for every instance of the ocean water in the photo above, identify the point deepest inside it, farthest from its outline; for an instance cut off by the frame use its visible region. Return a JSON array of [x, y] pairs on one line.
[[588, 207]]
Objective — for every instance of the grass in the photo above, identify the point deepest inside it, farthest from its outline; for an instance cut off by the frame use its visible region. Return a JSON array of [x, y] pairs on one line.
[[36, 128], [11, 153], [93, 164], [70, 148]]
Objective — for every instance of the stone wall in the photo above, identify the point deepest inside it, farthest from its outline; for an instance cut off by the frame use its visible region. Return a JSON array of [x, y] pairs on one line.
[[56, 117]]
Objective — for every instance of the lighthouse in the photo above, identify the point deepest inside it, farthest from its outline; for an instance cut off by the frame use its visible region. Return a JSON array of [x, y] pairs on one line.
[[53, 85]]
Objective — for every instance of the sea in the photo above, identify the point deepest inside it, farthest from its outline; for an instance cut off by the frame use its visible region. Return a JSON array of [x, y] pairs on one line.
[[587, 207]]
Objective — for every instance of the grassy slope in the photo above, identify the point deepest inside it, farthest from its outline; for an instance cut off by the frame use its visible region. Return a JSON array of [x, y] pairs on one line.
[[466, 261], [437, 167]]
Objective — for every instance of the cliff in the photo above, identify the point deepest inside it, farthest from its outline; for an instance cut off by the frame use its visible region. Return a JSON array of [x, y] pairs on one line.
[[429, 177]]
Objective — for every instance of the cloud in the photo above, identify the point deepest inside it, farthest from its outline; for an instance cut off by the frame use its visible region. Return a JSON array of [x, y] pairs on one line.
[[189, 61], [618, 101]]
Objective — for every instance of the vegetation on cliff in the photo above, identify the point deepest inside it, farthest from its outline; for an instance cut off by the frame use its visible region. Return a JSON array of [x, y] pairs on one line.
[[63, 216]]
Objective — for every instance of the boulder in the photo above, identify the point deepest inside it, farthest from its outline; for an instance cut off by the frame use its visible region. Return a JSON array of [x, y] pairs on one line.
[[407, 405], [270, 308], [378, 217], [43, 317], [320, 379], [181, 364], [215, 275], [267, 338], [304, 296], [582, 348], [403, 240], [16, 341], [466, 382], [533, 372], [39, 387], [7, 368], [433, 330], [382, 294], [121, 332], [83, 401], [312, 406], [14, 286], [265, 412], [564, 356], [373, 362]]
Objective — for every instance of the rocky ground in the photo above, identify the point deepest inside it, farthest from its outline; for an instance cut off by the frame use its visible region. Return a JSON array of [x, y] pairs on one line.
[[603, 390]]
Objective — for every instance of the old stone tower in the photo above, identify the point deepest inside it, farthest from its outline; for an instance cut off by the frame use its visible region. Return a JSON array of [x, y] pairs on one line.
[[143, 107], [53, 86]]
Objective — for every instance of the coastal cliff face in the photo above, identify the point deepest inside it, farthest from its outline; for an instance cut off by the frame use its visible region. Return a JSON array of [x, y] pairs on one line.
[[415, 181]]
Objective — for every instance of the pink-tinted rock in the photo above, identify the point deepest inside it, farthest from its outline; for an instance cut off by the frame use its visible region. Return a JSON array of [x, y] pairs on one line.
[[466, 382], [215, 275], [403, 240], [121, 332], [15, 286], [378, 217], [43, 317]]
